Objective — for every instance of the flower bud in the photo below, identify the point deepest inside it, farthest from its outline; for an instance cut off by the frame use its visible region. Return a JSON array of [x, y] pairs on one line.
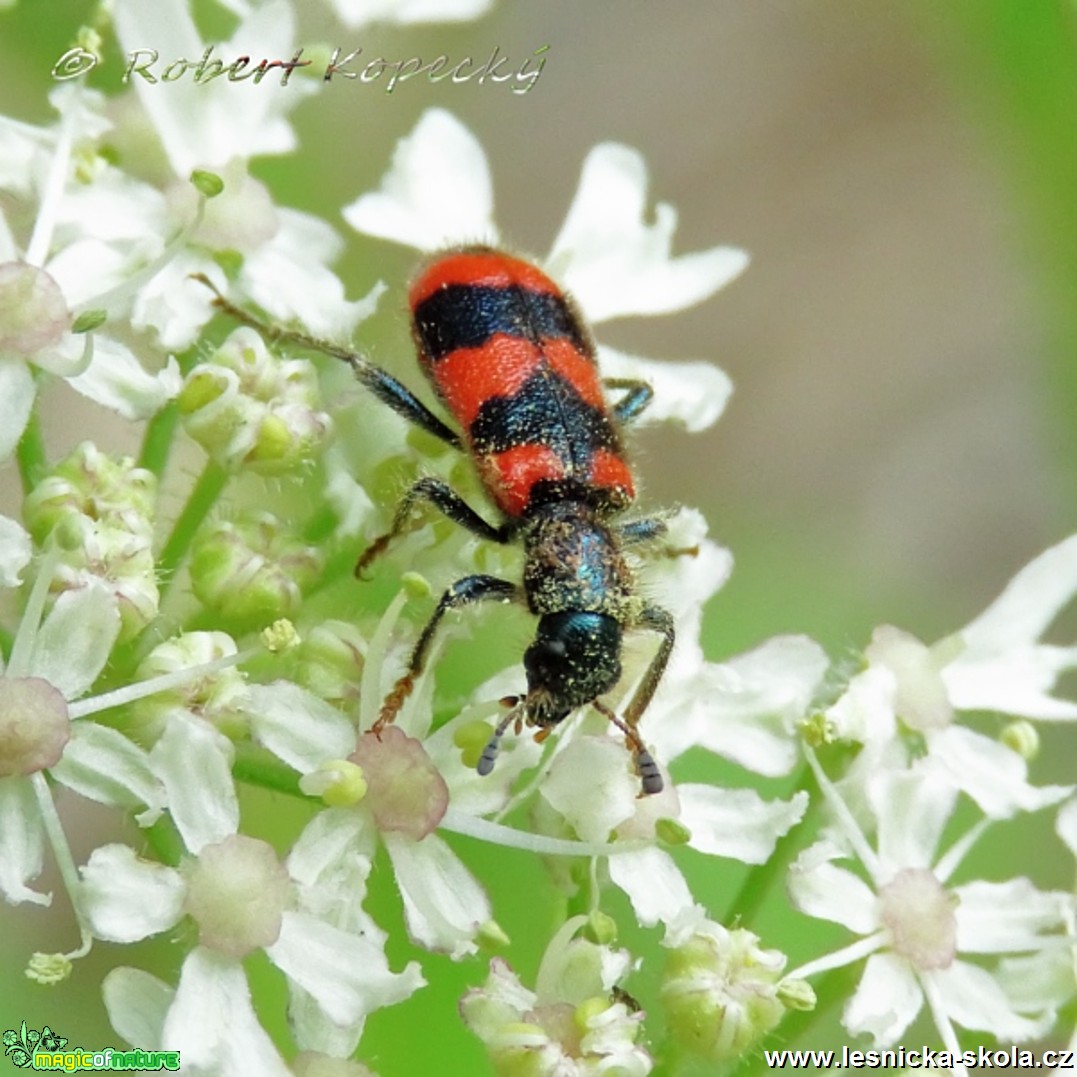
[[34, 725], [218, 697], [252, 571], [248, 408], [720, 990]]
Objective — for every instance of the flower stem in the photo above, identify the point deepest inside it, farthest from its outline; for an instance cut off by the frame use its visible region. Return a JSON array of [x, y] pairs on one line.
[[203, 497], [30, 454], [157, 441], [54, 830], [760, 880], [255, 766]]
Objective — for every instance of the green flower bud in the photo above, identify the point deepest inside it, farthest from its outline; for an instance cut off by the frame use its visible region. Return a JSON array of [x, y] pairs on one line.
[[1023, 737], [248, 408], [218, 697], [252, 571], [720, 992], [329, 661], [107, 490]]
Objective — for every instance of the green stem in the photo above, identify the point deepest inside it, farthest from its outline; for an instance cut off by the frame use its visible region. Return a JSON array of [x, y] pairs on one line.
[[203, 497], [157, 441], [164, 839], [30, 454], [257, 767], [759, 881]]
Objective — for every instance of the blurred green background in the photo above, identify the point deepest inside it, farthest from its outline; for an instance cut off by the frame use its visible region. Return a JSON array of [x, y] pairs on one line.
[[903, 433]]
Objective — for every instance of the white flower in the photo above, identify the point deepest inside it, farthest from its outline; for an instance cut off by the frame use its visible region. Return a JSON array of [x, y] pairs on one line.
[[914, 926], [241, 899], [205, 124], [438, 193], [400, 794], [994, 663]]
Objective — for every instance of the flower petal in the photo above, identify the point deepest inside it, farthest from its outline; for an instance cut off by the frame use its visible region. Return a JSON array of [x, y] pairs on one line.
[[1005, 918], [691, 392], [297, 726], [653, 883], [206, 125], [443, 903], [194, 761], [737, 823], [592, 786], [436, 193], [126, 899], [912, 808], [886, 1000], [115, 379], [408, 11], [828, 892], [17, 390], [613, 262], [15, 552], [102, 764], [347, 975], [745, 709], [21, 842], [994, 775], [74, 641], [137, 1005], [974, 999], [213, 1024]]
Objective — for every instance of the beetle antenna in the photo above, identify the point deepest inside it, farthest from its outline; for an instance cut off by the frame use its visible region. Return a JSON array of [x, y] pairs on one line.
[[489, 753], [647, 769]]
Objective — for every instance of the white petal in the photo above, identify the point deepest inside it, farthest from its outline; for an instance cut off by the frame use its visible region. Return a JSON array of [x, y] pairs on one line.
[[436, 193], [15, 552], [746, 709], [288, 278], [886, 1000], [174, 306], [994, 775], [212, 1022], [912, 808], [126, 899], [298, 727], [115, 379], [1016, 682], [74, 641], [207, 124], [194, 761], [865, 711], [691, 392], [1005, 918], [828, 892], [1067, 825], [17, 392], [137, 1005], [443, 903], [737, 823], [1028, 604], [408, 11], [347, 975], [103, 765], [591, 785], [21, 842], [974, 999], [653, 883], [613, 262]]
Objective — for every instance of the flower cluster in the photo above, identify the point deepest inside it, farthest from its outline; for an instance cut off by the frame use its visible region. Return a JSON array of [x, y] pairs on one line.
[[178, 644]]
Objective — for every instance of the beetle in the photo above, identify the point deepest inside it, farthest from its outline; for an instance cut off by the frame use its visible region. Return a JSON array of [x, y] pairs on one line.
[[512, 360]]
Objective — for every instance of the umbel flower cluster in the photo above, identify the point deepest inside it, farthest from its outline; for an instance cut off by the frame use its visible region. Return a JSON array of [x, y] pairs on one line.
[[182, 625]]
